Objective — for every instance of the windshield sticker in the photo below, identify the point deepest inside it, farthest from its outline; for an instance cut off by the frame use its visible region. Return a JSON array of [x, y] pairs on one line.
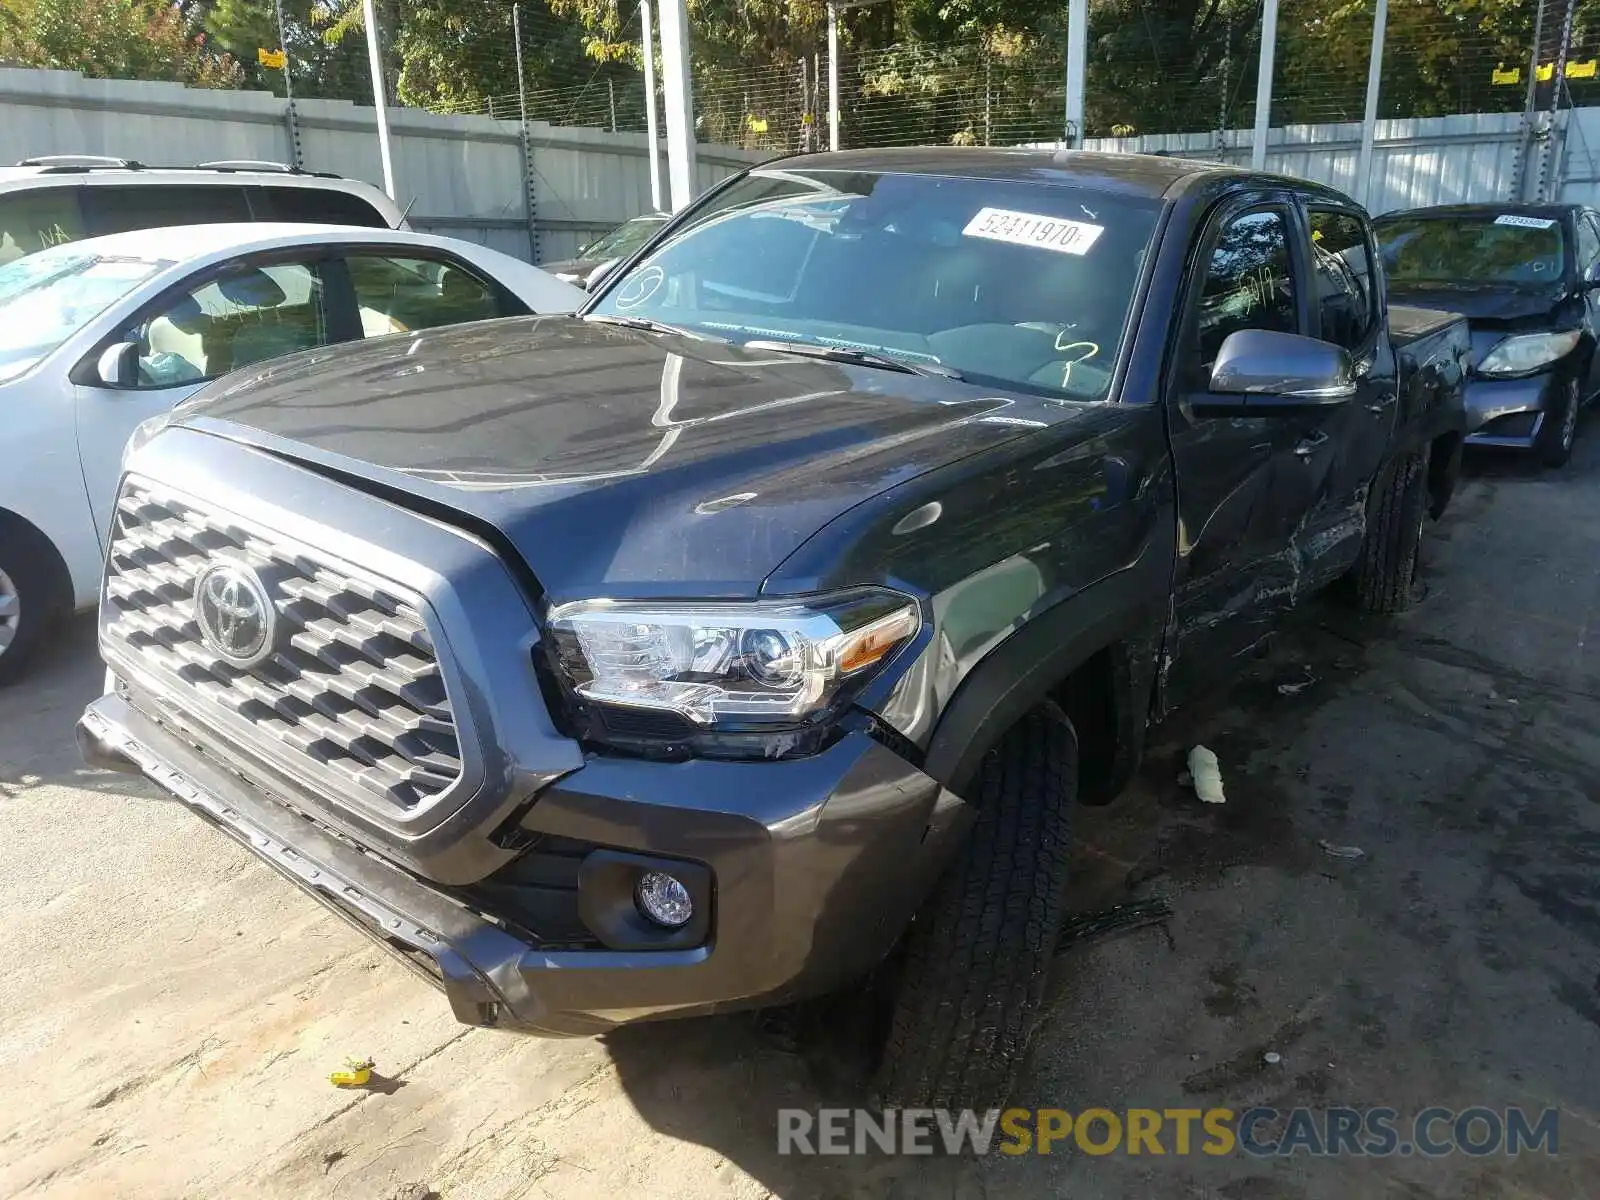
[[1033, 229], [1524, 222], [638, 288]]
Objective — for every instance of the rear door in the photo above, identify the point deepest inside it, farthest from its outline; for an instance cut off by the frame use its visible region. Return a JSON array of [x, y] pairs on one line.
[[246, 311], [1588, 260], [1244, 483], [1345, 310]]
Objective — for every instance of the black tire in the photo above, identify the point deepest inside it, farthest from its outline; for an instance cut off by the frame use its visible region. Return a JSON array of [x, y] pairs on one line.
[[1560, 427], [977, 958], [34, 596], [1384, 574]]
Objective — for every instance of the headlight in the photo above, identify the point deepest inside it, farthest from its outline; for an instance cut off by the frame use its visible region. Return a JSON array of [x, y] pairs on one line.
[[142, 433], [1527, 352], [751, 667]]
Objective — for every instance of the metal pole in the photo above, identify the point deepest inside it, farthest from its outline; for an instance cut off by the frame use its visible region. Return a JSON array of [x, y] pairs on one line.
[[988, 102], [679, 97], [527, 142], [369, 13], [295, 159], [833, 77], [1269, 46], [648, 35], [1369, 121], [1077, 58]]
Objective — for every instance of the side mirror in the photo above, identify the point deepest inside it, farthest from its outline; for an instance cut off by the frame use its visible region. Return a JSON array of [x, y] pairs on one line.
[[118, 366], [1261, 372], [597, 276], [1591, 277]]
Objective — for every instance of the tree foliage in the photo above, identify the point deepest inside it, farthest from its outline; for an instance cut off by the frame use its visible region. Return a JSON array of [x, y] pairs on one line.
[[116, 39]]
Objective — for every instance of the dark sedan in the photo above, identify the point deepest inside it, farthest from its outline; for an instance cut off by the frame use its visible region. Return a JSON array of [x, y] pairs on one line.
[[607, 249], [1525, 276]]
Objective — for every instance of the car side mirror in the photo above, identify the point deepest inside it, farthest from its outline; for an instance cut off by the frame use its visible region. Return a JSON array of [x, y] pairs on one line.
[[598, 275], [118, 365], [1262, 372], [1591, 277]]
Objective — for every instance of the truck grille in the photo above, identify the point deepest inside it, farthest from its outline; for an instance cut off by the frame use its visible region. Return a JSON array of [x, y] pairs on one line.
[[350, 680]]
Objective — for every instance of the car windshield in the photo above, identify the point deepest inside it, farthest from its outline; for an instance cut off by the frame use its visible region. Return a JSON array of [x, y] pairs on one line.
[[1480, 248], [1011, 284], [47, 297], [623, 240]]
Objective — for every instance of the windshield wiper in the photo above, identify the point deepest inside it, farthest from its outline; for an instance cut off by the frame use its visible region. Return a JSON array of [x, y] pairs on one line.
[[648, 325], [857, 358]]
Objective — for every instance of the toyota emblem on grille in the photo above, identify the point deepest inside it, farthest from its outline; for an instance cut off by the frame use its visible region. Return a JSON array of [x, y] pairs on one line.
[[235, 616]]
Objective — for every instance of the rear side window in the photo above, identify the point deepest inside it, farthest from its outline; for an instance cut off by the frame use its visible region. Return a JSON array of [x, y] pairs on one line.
[[1342, 275], [117, 208], [397, 295], [38, 219], [315, 205]]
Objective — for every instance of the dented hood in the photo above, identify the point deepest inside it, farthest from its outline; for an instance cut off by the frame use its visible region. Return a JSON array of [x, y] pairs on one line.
[[615, 462]]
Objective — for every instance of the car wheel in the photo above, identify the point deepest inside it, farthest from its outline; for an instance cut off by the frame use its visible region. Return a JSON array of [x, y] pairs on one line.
[[1384, 574], [978, 956], [32, 598], [1560, 427]]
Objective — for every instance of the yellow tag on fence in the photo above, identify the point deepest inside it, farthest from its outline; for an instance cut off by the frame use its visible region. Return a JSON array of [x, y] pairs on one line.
[[273, 60]]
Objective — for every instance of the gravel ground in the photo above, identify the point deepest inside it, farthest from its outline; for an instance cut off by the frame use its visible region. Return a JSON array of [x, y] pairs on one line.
[[173, 1009]]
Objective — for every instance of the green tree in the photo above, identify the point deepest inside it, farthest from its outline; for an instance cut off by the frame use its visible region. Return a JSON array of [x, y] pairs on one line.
[[115, 39], [242, 27]]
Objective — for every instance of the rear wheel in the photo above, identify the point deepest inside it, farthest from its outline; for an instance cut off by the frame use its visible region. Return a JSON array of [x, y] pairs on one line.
[[1560, 427], [1384, 574], [32, 597], [978, 956]]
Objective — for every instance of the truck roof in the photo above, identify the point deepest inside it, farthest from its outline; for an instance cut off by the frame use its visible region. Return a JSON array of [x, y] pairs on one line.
[[1152, 175]]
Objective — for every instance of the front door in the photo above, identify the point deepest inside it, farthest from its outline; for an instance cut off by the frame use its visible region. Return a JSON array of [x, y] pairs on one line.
[[241, 314], [1244, 483], [1588, 264]]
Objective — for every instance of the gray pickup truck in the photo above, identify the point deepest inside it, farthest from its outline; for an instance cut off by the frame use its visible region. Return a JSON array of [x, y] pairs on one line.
[[759, 628]]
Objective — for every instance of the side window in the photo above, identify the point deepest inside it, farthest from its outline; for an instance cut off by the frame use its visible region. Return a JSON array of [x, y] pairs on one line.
[[1342, 278], [394, 295], [1588, 244], [114, 208], [1249, 284], [38, 219], [316, 205], [244, 316]]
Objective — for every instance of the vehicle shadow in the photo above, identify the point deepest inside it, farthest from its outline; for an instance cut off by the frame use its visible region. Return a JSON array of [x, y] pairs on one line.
[[39, 712]]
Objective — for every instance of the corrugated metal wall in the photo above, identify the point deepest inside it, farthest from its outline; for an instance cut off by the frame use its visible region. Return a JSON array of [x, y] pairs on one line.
[[1415, 162], [462, 176]]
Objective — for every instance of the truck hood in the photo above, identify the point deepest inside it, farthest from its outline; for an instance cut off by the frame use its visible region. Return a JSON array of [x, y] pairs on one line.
[[614, 462]]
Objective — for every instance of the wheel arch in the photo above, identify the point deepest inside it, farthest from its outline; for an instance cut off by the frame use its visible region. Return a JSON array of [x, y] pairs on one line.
[[1094, 654]]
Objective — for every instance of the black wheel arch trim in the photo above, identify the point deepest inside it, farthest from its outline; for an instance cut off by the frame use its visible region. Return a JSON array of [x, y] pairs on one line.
[[1126, 610]]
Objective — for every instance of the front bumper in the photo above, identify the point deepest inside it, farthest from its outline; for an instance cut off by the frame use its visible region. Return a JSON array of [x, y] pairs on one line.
[[816, 866], [1509, 412]]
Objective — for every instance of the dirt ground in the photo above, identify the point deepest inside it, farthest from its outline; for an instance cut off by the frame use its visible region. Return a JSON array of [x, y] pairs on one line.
[[172, 1009]]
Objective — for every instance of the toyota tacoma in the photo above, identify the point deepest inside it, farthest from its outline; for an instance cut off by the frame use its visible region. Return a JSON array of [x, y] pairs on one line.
[[760, 626]]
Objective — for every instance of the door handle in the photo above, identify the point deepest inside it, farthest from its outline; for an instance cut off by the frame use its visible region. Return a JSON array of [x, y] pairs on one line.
[[1310, 445]]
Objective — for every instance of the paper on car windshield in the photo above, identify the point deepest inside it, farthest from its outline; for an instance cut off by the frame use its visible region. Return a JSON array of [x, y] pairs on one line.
[[1033, 229], [1522, 222]]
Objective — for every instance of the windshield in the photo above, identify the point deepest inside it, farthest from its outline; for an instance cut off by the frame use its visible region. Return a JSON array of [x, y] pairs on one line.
[[623, 240], [1506, 248], [1019, 285], [47, 297]]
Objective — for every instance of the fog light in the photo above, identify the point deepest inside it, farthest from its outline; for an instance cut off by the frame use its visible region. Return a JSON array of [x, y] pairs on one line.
[[663, 899]]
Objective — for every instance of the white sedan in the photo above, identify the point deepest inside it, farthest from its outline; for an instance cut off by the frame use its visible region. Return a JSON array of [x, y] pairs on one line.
[[98, 335]]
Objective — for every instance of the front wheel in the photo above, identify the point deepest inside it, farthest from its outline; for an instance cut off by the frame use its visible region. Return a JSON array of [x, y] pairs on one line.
[[1383, 576], [978, 956], [1560, 426], [32, 599]]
